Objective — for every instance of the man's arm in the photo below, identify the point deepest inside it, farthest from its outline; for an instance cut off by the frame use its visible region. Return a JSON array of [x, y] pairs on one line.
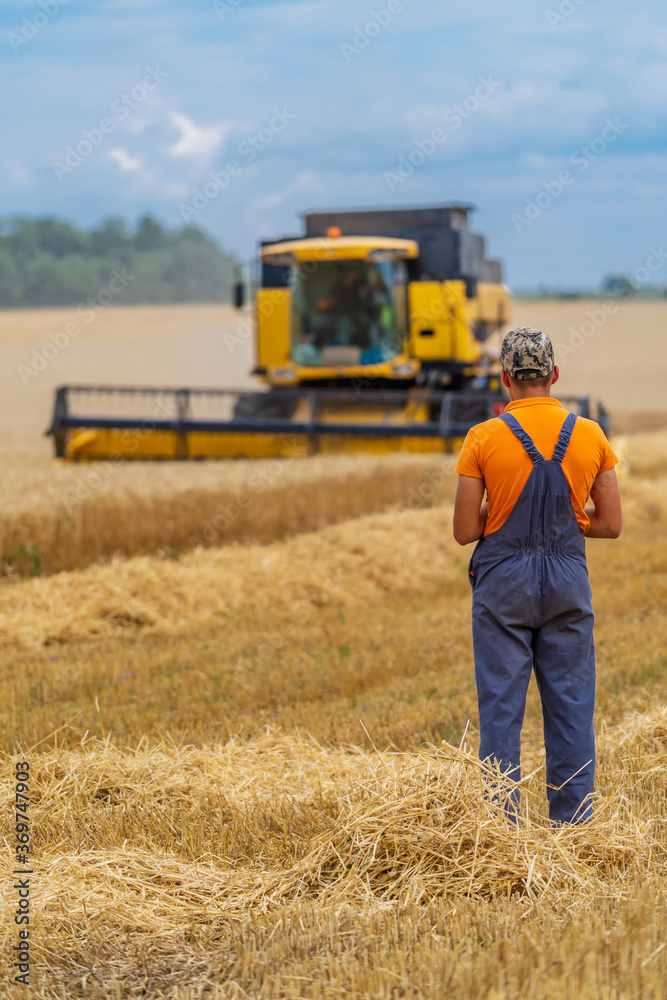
[[469, 512], [606, 518]]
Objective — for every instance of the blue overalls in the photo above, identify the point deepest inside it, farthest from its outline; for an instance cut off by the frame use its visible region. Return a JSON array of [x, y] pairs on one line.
[[532, 609]]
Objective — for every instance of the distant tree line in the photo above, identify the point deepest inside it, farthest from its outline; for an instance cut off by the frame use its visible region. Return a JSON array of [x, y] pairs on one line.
[[615, 286], [48, 262]]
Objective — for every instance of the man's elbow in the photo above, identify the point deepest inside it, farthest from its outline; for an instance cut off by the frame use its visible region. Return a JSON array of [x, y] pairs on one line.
[[464, 537], [613, 524], [606, 528]]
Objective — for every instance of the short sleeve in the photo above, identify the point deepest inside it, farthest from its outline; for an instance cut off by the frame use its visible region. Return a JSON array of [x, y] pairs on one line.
[[469, 459], [608, 459]]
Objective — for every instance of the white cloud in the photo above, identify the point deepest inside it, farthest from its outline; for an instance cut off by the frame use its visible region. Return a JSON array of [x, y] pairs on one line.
[[306, 182], [650, 82], [197, 141], [18, 174], [124, 160]]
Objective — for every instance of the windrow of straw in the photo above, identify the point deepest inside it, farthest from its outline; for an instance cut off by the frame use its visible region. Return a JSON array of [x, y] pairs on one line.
[[69, 517], [369, 619], [340, 566], [165, 848], [402, 550]]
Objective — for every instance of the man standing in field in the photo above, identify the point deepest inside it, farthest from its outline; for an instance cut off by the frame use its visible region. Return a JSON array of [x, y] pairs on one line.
[[531, 604]]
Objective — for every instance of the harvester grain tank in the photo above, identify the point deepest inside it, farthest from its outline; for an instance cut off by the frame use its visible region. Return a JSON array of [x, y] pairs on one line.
[[370, 334]]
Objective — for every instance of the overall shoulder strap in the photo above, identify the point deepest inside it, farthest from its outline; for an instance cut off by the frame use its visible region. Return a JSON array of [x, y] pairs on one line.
[[564, 438], [524, 438]]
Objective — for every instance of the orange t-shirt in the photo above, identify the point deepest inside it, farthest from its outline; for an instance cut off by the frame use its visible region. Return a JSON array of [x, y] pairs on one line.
[[492, 452]]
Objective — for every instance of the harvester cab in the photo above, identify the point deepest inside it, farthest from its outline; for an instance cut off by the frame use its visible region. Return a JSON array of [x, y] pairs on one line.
[[371, 334], [409, 303]]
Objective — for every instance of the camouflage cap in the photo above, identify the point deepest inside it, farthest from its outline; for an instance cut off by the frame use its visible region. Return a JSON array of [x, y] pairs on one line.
[[527, 353]]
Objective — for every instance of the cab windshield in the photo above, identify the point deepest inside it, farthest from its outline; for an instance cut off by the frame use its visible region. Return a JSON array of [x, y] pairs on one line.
[[347, 312]]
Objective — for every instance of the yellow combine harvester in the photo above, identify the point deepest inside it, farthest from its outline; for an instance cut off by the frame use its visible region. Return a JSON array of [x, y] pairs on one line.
[[363, 343]]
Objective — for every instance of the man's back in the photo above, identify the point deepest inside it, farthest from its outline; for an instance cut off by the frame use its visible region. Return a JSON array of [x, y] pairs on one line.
[[493, 453]]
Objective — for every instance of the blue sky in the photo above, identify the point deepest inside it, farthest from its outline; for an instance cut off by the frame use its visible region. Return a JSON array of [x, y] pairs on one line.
[[317, 104]]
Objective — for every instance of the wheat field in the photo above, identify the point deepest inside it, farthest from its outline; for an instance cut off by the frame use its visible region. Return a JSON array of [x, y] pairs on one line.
[[254, 774], [59, 516], [253, 755]]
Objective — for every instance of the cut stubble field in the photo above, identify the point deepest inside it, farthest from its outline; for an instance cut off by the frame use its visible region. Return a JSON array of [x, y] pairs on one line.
[[253, 759]]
